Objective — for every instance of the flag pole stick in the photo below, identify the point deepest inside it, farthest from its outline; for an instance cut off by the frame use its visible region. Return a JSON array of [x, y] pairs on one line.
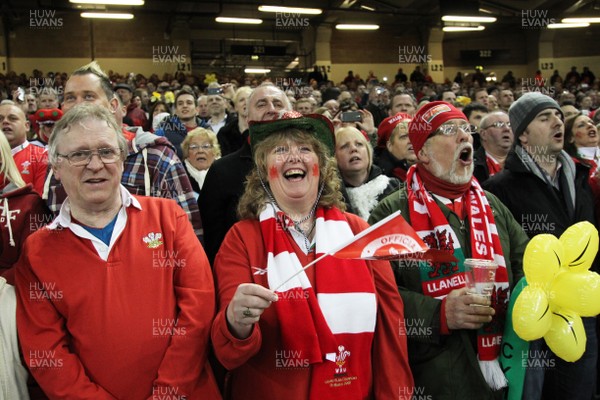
[[302, 270]]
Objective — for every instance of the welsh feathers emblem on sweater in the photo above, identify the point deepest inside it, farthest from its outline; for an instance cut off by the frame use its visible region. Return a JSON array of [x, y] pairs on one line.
[[340, 359], [25, 167], [153, 240]]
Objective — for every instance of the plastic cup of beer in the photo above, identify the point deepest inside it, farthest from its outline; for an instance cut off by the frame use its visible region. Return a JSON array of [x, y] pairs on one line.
[[480, 276]]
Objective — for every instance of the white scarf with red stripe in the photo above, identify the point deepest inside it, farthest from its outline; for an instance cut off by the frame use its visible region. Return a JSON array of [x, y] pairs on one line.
[[332, 325], [439, 279]]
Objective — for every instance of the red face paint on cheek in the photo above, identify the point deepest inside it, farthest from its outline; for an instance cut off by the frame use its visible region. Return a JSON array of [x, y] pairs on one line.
[[273, 173], [316, 170]]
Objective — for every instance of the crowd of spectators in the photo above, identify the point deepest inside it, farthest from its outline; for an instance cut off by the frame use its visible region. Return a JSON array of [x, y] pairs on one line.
[[190, 138]]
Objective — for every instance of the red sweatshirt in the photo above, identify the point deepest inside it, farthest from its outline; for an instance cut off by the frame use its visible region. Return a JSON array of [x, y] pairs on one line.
[[32, 162], [133, 326], [22, 212]]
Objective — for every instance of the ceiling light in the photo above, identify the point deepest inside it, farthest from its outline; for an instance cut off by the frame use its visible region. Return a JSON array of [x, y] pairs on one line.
[[106, 15], [257, 70], [464, 18], [357, 27], [291, 10], [111, 2], [582, 20], [564, 26], [230, 20], [463, 28], [367, 8], [293, 64]]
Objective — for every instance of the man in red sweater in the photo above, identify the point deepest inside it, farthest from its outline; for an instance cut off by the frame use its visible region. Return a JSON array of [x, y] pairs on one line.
[[31, 160], [123, 308]]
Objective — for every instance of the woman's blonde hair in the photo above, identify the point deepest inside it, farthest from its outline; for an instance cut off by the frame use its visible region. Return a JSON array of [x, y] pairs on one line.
[[8, 168], [255, 197], [205, 134], [241, 93]]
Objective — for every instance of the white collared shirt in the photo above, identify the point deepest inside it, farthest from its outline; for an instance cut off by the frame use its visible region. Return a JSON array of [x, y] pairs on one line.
[[63, 220], [217, 127], [20, 147]]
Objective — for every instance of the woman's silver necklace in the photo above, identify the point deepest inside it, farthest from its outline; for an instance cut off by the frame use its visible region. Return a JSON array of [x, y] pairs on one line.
[[297, 224]]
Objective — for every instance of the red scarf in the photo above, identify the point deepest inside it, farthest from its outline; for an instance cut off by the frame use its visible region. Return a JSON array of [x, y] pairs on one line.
[[399, 173], [330, 326], [440, 186], [493, 166], [439, 279]]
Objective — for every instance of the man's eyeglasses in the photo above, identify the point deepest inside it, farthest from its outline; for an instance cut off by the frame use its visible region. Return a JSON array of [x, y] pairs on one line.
[[499, 124], [452, 130], [78, 158], [196, 147]]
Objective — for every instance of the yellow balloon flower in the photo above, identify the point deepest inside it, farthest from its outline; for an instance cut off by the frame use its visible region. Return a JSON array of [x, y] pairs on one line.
[[561, 290]]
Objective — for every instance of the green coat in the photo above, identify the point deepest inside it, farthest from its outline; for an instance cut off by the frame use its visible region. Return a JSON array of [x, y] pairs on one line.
[[445, 366]]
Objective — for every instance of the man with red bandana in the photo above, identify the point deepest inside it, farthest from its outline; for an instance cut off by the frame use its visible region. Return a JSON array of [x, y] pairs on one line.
[[454, 353]]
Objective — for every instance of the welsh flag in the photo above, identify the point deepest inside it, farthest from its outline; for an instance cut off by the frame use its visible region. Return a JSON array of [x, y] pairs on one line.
[[392, 238]]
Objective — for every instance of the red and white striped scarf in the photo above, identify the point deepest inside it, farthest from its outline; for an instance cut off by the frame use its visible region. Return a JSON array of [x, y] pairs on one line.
[[439, 279], [331, 325]]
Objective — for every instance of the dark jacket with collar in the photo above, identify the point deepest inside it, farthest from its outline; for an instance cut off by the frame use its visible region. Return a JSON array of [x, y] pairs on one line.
[[379, 112], [364, 198], [223, 187], [390, 165], [230, 138], [481, 171], [537, 205]]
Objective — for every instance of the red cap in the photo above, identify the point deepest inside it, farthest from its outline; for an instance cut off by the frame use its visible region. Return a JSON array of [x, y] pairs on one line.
[[386, 127], [428, 119]]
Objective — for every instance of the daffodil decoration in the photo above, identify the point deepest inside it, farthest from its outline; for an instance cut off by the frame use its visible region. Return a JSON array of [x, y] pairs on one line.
[[560, 290], [155, 97], [210, 78], [463, 100], [169, 97]]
